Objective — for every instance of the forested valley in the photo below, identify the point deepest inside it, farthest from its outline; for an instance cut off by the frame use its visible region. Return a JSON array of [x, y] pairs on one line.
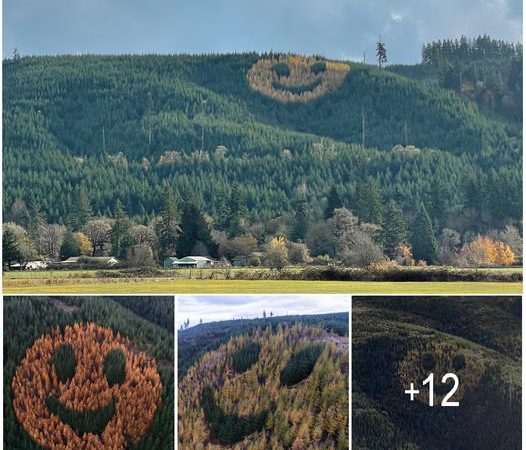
[[88, 372], [283, 384], [144, 157]]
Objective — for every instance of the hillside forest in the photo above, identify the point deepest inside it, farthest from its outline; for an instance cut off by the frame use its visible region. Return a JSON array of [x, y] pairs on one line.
[[401, 340], [88, 373], [277, 387], [277, 158]]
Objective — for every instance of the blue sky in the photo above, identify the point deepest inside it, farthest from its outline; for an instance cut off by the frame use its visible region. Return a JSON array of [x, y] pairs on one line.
[[340, 29], [213, 308]]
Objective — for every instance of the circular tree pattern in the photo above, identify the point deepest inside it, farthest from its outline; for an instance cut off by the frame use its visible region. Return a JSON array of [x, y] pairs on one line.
[[294, 78], [282, 389], [85, 387], [441, 358]]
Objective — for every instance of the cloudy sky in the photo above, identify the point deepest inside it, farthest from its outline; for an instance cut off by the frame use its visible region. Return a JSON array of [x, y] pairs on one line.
[[335, 28], [213, 308]]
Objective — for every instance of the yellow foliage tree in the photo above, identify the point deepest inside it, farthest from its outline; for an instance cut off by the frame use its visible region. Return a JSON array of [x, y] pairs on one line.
[[484, 250], [84, 243], [503, 254], [277, 256]]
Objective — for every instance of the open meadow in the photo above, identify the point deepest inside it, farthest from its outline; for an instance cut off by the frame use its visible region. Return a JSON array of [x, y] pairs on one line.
[[235, 281]]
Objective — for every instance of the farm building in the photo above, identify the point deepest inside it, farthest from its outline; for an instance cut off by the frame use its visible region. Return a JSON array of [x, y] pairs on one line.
[[194, 262], [101, 261], [36, 265]]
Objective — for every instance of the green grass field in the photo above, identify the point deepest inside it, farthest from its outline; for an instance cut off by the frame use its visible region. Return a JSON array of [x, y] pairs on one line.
[[183, 286], [213, 281]]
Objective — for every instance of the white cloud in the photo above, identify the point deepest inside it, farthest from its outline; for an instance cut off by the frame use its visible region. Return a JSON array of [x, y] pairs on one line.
[[396, 16]]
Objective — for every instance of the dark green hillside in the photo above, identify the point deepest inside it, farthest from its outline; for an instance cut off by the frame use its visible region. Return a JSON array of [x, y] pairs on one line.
[[398, 340], [28, 318], [123, 125]]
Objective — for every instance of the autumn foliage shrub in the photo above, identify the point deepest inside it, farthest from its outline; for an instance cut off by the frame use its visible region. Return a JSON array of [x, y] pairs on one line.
[[485, 251]]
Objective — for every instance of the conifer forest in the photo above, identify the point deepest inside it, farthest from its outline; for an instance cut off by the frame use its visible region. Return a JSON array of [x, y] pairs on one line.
[[88, 373], [144, 157], [266, 384]]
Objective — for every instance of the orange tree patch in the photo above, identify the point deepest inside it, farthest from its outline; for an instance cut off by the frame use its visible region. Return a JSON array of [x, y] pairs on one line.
[[106, 397]]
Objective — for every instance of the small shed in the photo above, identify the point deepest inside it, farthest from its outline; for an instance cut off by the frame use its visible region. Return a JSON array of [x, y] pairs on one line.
[[193, 262]]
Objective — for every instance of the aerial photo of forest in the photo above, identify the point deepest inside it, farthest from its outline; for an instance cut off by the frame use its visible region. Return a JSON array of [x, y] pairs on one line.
[[89, 373], [268, 383], [397, 341]]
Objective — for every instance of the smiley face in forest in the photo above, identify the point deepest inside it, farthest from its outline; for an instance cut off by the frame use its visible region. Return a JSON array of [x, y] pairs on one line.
[[85, 387], [294, 78], [240, 392], [441, 358]]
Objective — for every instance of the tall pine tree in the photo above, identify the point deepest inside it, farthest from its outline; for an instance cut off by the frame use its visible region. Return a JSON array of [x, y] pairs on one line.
[[121, 241], [333, 201], [381, 53], [194, 231], [10, 251], [80, 211], [301, 219], [423, 238], [237, 211], [167, 227], [394, 230], [70, 246], [369, 206]]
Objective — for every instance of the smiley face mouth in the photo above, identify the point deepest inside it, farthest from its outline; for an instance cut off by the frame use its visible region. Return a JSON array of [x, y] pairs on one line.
[[89, 421], [297, 89]]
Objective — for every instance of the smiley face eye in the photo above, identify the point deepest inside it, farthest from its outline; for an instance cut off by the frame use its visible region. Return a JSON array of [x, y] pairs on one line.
[[318, 67], [281, 69], [300, 365], [64, 362], [459, 362], [244, 358], [115, 367], [428, 361]]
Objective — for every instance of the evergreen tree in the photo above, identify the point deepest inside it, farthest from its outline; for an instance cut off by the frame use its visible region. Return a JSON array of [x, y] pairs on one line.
[[369, 206], [333, 201], [237, 212], [121, 240], [10, 251], [301, 221], [438, 200], [423, 238], [194, 230], [222, 212], [167, 227], [80, 210], [70, 246], [381, 53], [394, 229]]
